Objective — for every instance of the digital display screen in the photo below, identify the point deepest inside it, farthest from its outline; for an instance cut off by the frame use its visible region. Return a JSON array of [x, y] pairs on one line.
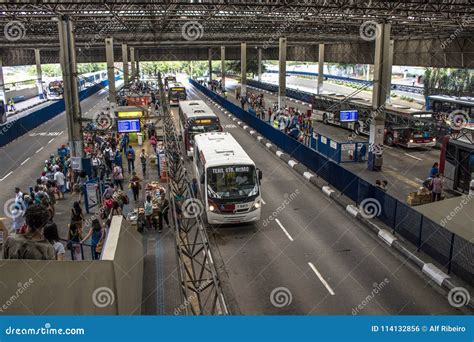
[[128, 126], [136, 114], [177, 89], [348, 115], [203, 121]]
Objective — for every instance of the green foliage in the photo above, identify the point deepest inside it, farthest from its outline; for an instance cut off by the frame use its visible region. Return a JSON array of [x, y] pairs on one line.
[[454, 82]]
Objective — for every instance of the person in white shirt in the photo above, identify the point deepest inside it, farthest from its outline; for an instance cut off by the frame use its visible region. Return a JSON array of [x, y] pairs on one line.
[[60, 180]]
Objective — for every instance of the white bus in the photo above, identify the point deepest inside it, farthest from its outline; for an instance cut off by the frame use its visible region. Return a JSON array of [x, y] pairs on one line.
[[228, 179], [196, 117], [176, 93]]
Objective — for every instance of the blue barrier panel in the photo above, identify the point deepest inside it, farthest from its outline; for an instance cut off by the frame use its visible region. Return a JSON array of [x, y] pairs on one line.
[[463, 254], [436, 241], [347, 183], [365, 190], [408, 223]]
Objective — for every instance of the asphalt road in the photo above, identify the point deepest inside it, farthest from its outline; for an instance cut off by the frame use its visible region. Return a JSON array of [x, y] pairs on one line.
[[317, 258]]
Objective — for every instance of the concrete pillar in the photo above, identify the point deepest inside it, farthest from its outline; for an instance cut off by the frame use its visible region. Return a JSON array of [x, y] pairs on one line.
[[367, 72], [109, 55], [210, 64], [382, 77], [282, 73], [39, 74], [2, 83], [223, 66], [259, 52], [125, 63], [243, 69], [67, 56], [132, 63], [388, 79], [320, 68]]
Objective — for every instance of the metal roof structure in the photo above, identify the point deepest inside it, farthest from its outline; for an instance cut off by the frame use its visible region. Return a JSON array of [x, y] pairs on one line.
[[214, 22]]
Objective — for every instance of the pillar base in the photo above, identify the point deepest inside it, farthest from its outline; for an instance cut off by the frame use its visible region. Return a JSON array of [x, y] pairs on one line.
[[374, 162]]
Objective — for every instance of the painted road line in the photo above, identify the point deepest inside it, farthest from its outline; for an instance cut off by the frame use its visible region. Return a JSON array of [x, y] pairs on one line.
[[393, 168], [412, 156], [49, 142], [8, 174], [24, 161], [284, 230], [40, 149], [419, 180], [263, 201], [402, 178], [61, 133], [325, 283]]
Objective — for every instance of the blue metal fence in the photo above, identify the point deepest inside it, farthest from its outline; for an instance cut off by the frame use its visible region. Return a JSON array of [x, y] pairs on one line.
[[450, 250]]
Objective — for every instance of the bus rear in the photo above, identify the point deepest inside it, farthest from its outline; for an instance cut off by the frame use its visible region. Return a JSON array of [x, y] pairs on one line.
[[176, 93], [229, 180]]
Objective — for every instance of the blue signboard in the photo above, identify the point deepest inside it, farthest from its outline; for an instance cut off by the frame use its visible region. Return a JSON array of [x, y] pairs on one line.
[[127, 126], [348, 115]]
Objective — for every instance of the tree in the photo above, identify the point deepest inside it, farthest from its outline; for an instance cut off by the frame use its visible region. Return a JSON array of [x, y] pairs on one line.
[[454, 82], [252, 67]]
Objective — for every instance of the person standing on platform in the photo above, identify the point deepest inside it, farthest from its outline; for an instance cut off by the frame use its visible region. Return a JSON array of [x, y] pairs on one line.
[[131, 159], [143, 161], [135, 185]]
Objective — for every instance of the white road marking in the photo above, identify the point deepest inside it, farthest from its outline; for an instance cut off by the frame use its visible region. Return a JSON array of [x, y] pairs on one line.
[[49, 142], [393, 168], [61, 133], [263, 201], [325, 283], [419, 180], [40, 149], [284, 230], [8, 174], [24, 161], [412, 156]]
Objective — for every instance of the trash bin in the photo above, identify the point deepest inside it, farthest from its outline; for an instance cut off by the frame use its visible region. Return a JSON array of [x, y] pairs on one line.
[[140, 139]]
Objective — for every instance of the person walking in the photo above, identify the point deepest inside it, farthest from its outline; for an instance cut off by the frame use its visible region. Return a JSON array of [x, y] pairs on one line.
[[135, 185], [97, 235], [163, 208], [60, 180], [131, 159], [117, 176], [437, 188], [148, 206], [153, 143], [74, 237], [77, 217], [143, 161]]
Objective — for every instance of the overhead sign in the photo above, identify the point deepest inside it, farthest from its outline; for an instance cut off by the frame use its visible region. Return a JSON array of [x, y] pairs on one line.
[[76, 163], [134, 114], [348, 115], [127, 126]]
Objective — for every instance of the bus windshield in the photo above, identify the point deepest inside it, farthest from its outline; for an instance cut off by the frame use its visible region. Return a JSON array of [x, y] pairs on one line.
[[236, 181], [178, 93], [203, 126]]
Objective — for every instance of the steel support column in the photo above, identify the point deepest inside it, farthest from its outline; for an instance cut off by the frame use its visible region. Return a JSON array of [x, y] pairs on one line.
[[67, 54], [2, 83], [243, 69], [282, 73], [125, 63], [259, 53], [109, 55], [39, 74], [210, 63], [320, 68], [132, 63], [223, 66], [381, 87]]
